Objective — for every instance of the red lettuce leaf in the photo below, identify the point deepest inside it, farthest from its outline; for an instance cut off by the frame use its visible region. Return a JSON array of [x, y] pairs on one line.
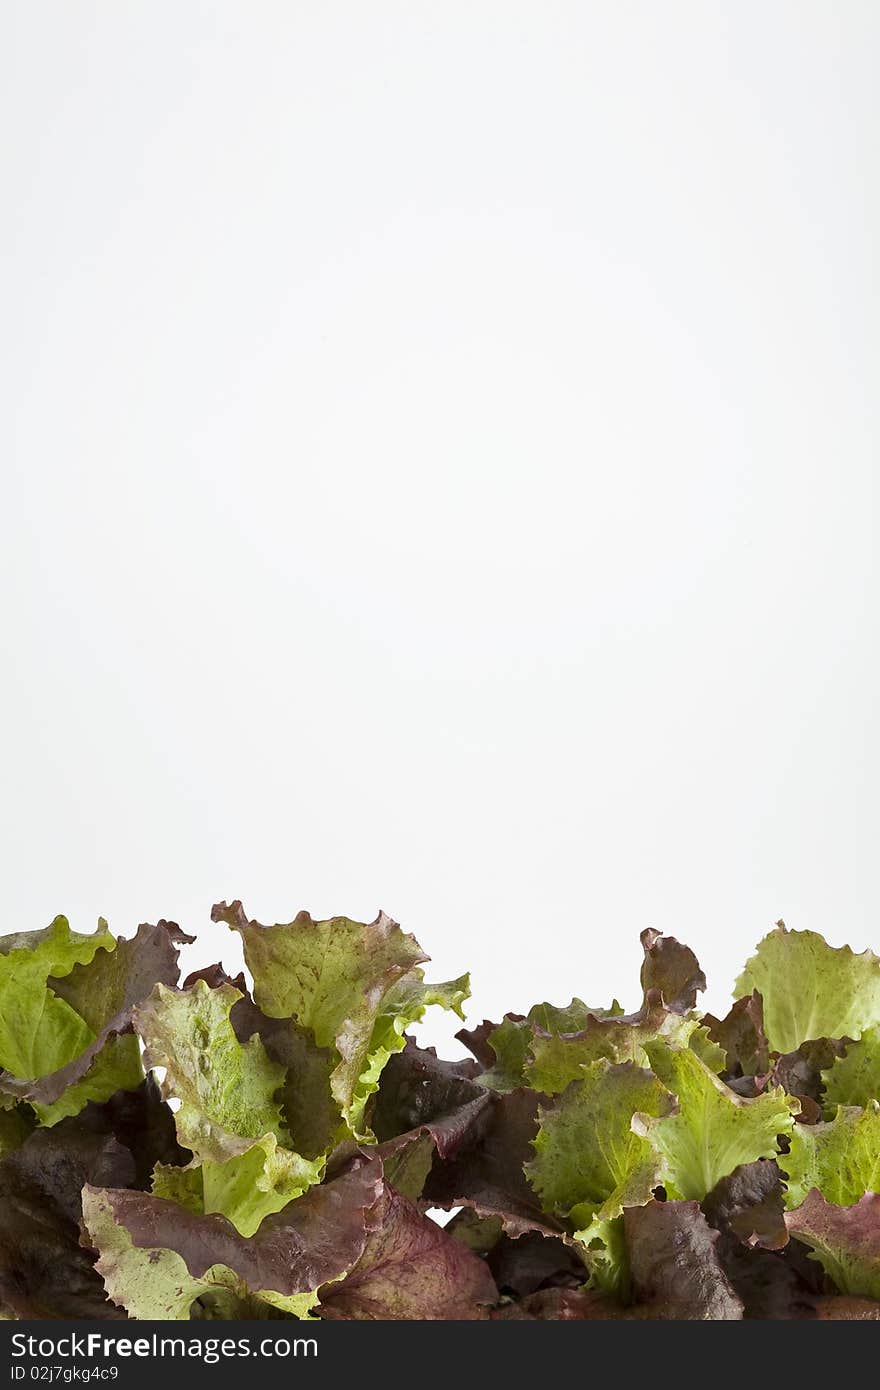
[[410, 1269]]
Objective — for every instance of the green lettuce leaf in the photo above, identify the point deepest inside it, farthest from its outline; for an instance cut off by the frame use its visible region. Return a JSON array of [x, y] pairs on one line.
[[714, 1130], [588, 1160], [116, 1067], [54, 950], [508, 1045], [356, 986], [506, 1050], [246, 1188], [185, 1186], [854, 1078], [323, 973], [606, 1256], [670, 977], [309, 1111], [555, 1061], [479, 1233], [841, 1159], [40, 1032], [709, 1052], [811, 989], [226, 1089], [100, 988], [157, 1284], [408, 1163], [229, 1114]]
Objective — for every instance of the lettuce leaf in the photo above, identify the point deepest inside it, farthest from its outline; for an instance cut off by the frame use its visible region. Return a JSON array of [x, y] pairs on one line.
[[487, 1173], [410, 1269], [356, 986], [845, 1240], [588, 1158], [229, 1115], [811, 989], [672, 970], [426, 1107], [39, 1031], [674, 1263], [713, 1130], [507, 1049], [841, 1159], [854, 1077], [158, 1260], [93, 987], [768, 1273], [590, 1163], [555, 1061], [309, 1111], [801, 1072], [226, 1089], [741, 1035]]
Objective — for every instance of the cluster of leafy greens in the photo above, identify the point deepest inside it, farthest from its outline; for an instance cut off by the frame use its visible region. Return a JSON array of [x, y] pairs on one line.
[[215, 1149]]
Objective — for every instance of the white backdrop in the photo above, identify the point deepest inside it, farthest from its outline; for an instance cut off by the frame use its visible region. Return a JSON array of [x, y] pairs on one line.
[[439, 453]]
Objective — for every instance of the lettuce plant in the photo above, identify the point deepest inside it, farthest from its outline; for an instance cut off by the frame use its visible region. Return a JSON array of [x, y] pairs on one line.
[[280, 1147]]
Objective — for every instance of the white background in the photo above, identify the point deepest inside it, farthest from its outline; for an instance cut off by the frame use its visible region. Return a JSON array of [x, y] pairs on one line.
[[438, 472]]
